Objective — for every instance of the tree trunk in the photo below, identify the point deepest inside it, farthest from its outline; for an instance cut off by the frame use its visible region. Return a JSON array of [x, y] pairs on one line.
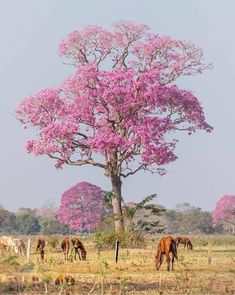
[[117, 203]]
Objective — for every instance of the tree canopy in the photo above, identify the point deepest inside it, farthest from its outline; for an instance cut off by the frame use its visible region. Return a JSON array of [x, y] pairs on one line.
[[82, 206]]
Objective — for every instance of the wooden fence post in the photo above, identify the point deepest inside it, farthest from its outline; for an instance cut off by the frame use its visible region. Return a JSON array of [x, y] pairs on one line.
[[28, 248], [116, 251], [209, 253]]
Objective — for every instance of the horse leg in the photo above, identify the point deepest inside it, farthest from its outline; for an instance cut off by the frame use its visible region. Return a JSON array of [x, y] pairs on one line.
[[75, 254], [67, 254], [79, 255], [161, 259], [42, 254], [168, 260], [172, 261]]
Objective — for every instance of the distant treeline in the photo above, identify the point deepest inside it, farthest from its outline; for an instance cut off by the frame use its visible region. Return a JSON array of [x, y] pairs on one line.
[[184, 218], [27, 222]]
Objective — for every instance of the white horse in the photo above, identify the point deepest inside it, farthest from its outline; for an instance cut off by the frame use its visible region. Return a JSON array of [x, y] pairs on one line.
[[9, 245]]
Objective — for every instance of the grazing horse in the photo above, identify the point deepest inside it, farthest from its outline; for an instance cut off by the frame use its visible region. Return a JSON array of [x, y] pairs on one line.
[[69, 280], [185, 241], [8, 245], [76, 245], [165, 246], [40, 247]]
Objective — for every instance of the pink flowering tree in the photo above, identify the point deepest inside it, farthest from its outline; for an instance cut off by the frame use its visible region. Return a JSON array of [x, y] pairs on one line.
[[121, 109], [82, 206], [225, 211], [48, 210]]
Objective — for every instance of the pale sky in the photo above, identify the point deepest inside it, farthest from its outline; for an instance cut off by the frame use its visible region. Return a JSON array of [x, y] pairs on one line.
[[30, 32]]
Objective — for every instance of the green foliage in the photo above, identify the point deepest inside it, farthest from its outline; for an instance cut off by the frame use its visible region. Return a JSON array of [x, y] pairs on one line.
[[53, 241], [197, 222], [130, 211], [150, 227], [214, 240], [7, 222], [52, 226], [141, 217], [108, 199], [9, 263], [189, 220], [24, 221], [27, 224], [10, 260], [107, 240]]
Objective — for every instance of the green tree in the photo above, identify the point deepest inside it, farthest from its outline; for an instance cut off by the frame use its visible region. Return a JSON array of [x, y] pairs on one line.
[[143, 216], [197, 222], [173, 221], [188, 219], [53, 226], [27, 224], [7, 222]]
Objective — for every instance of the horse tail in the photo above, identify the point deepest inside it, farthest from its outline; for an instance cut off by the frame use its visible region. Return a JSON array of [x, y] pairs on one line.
[[174, 248]]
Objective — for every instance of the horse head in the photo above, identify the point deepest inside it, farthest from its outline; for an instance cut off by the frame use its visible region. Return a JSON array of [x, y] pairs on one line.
[[83, 254], [157, 262]]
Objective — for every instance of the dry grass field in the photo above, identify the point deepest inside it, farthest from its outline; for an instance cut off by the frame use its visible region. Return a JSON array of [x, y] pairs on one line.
[[135, 272]]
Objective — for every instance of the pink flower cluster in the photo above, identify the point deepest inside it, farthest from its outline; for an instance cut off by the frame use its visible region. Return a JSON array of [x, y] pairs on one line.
[[82, 206]]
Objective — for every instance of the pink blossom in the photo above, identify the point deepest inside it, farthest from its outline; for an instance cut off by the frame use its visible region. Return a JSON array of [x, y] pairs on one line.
[[82, 206], [224, 210]]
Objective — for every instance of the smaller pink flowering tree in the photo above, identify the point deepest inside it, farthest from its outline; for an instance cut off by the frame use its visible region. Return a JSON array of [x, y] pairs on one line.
[[82, 206], [225, 211]]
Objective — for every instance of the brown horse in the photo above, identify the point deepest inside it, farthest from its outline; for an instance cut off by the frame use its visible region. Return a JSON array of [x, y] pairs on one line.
[[65, 246], [40, 247], [165, 246], [185, 241], [69, 280], [76, 245]]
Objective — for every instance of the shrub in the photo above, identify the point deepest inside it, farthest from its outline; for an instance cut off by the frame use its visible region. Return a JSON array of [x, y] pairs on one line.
[[107, 240], [53, 241]]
